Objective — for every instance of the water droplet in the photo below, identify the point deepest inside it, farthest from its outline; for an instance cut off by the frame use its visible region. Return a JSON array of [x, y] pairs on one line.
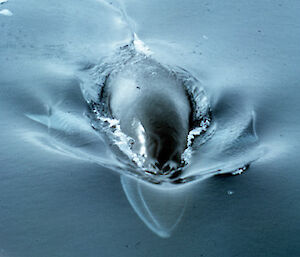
[[230, 192]]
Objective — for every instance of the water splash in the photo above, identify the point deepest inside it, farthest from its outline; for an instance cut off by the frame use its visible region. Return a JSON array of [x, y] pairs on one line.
[[94, 80], [147, 202]]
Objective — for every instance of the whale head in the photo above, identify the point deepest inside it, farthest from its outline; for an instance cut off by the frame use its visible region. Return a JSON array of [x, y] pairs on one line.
[[153, 108]]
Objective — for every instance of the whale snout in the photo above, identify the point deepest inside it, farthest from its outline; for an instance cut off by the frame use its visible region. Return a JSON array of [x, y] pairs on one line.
[[153, 108]]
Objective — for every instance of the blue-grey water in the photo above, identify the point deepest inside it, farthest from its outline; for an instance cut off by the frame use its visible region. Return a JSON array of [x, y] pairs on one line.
[[64, 191]]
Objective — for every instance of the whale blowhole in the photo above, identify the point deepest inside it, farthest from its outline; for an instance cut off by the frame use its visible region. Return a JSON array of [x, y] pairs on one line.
[[153, 115]]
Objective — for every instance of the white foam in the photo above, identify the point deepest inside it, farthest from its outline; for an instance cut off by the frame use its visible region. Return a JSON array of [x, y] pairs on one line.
[[140, 46], [6, 12]]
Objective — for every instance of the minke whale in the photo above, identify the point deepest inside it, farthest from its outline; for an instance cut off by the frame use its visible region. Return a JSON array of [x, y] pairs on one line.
[[153, 108]]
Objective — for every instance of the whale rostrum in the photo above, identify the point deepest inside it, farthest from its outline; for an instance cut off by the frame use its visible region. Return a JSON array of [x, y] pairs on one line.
[[153, 108]]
